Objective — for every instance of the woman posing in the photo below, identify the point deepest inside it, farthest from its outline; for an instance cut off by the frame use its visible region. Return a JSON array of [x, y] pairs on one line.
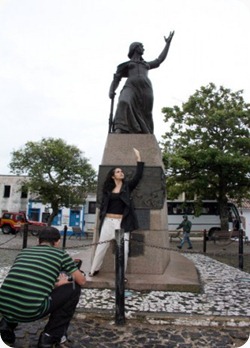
[[117, 211]]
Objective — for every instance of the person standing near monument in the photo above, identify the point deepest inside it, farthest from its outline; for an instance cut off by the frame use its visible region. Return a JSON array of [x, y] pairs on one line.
[[186, 226], [117, 211], [134, 109]]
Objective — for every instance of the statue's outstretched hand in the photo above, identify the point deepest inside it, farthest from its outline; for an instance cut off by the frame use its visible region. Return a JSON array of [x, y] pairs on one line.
[[169, 38]]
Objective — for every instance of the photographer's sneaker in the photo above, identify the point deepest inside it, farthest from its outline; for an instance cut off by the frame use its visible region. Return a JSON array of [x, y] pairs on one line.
[[63, 339], [7, 332], [46, 341]]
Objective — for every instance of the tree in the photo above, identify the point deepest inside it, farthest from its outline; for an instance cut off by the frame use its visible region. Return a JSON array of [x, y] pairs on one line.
[[58, 173], [207, 150]]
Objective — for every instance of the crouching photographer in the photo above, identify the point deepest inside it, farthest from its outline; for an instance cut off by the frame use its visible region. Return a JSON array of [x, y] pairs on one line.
[[44, 280]]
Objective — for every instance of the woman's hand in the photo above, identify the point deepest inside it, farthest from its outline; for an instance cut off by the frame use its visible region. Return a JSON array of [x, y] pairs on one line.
[[137, 154]]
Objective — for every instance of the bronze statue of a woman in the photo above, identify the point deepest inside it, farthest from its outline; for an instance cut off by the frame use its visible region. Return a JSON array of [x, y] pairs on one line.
[[135, 104]]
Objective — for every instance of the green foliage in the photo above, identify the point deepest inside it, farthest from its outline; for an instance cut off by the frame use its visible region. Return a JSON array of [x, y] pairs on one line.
[[58, 173], [207, 149]]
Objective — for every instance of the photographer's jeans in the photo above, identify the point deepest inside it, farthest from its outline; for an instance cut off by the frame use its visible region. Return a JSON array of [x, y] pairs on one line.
[[63, 302]]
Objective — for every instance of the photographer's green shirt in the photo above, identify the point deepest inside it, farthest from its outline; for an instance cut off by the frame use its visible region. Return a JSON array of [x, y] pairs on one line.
[[24, 295]]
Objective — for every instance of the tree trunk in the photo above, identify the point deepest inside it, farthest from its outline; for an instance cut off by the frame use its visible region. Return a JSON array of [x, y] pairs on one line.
[[223, 215], [54, 213], [51, 217]]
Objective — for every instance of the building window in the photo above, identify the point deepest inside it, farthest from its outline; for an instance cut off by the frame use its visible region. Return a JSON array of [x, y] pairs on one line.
[[45, 217], [24, 192], [92, 207], [6, 193], [34, 214]]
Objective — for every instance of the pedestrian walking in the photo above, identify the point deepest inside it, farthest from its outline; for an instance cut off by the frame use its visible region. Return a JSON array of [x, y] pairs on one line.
[[186, 227]]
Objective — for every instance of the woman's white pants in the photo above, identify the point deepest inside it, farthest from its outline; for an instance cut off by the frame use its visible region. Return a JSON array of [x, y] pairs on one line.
[[108, 233]]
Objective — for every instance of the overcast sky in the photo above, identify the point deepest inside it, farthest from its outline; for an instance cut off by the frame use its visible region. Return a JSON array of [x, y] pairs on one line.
[[58, 57]]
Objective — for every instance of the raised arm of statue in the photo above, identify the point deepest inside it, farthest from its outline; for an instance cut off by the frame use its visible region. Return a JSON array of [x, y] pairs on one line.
[[164, 53]]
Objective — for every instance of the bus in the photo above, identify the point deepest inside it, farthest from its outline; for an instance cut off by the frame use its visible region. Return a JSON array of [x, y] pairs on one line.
[[204, 216]]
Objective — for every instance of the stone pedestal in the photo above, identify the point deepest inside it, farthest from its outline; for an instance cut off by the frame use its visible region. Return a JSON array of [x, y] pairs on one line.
[[149, 245]]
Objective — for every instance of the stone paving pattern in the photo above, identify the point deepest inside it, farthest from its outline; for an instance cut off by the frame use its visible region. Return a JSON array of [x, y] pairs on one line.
[[100, 333], [219, 316]]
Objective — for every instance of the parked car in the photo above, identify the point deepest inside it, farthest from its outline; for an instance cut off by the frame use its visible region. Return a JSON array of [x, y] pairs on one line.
[[12, 222]]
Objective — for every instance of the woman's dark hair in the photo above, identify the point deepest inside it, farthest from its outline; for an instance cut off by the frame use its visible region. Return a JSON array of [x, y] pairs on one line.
[[109, 183], [49, 234]]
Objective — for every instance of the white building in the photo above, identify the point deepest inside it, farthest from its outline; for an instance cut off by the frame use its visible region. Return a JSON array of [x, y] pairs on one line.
[[14, 198]]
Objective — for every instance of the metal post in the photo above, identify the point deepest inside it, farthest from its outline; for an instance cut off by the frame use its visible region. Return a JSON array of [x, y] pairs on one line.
[[64, 236], [119, 278], [204, 241], [241, 249], [25, 235]]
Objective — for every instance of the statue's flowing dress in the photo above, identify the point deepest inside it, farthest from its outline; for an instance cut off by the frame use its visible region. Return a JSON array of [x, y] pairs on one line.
[[135, 104]]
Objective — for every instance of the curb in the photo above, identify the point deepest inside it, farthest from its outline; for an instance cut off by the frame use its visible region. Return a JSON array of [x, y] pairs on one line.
[[169, 319]]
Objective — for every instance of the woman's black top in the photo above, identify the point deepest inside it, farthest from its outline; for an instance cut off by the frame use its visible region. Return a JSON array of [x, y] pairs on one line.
[[116, 205]]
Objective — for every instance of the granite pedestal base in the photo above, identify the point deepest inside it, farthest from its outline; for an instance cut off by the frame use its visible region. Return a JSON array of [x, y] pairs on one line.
[[149, 268]]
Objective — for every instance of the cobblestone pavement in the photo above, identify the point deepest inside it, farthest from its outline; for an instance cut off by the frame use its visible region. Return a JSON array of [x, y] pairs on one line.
[[99, 333], [217, 317]]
